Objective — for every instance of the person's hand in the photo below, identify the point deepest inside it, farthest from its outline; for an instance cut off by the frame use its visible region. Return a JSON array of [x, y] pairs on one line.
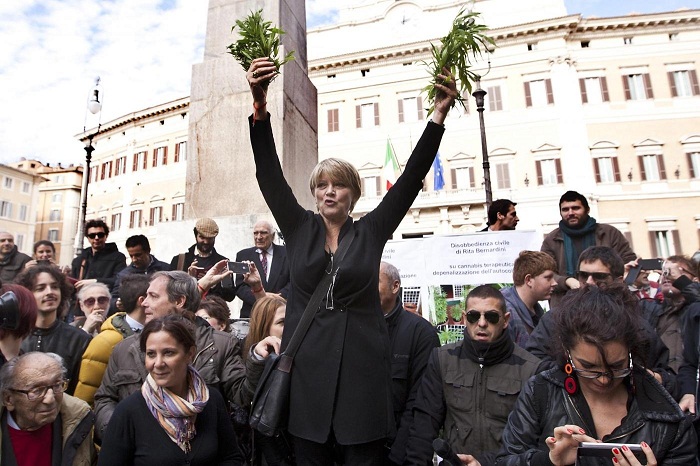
[[94, 321], [656, 375], [625, 457], [469, 460], [194, 271], [564, 442], [81, 283], [261, 72], [214, 275], [572, 283], [629, 266], [687, 403], [268, 345], [445, 95], [252, 278]]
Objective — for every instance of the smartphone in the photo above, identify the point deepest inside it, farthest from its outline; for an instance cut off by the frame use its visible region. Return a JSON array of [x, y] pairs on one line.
[[643, 264], [604, 450], [238, 267]]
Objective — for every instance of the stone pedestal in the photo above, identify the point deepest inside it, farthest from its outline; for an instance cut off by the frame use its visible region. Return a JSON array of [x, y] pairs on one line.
[[220, 171]]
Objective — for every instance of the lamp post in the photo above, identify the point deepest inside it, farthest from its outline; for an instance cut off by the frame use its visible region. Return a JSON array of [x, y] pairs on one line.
[[94, 106], [479, 95]]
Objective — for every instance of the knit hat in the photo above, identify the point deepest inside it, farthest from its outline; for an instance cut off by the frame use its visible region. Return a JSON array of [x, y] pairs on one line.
[[207, 227]]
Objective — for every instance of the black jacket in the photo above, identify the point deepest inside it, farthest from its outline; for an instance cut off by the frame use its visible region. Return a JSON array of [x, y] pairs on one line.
[[469, 401], [226, 289], [278, 282], [341, 378], [412, 340], [653, 417], [687, 374], [65, 340], [12, 265], [540, 341], [104, 265]]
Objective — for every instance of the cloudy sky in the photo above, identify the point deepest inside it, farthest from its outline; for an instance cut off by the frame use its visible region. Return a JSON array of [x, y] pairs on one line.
[[143, 50]]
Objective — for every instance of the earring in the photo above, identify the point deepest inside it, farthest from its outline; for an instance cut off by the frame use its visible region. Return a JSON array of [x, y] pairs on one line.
[[570, 383], [632, 387]]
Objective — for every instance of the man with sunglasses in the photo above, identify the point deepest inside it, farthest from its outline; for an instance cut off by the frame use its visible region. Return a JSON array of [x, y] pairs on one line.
[[602, 266], [470, 387], [40, 423], [101, 261]]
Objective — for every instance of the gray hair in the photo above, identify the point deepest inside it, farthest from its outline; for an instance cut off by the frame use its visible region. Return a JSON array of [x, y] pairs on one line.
[[181, 284], [83, 290], [9, 369], [391, 272]]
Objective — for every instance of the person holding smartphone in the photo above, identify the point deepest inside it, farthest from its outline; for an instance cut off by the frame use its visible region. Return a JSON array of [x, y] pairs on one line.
[[600, 392]]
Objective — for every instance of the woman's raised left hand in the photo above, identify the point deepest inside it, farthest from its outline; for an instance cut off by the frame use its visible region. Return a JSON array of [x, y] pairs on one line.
[[625, 457], [214, 275]]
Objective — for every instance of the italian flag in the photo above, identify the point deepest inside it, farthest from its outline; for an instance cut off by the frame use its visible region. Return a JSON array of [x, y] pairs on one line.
[[391, 168]]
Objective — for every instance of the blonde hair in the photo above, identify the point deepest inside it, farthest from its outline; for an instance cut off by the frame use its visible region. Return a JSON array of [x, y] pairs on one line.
[[338, 171], [262, 316]]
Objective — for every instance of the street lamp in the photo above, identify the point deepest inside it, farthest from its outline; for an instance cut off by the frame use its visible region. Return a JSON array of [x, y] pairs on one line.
[[94, 106], [479, 95]]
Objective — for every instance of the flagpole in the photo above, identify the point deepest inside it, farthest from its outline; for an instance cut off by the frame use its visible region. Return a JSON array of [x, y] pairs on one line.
[[393, 154]]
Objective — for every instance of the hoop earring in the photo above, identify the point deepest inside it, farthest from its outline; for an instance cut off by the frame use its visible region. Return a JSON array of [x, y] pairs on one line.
[[570, 384]]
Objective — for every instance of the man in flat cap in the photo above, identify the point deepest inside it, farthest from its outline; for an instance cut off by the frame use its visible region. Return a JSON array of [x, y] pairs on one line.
[[202, 256]]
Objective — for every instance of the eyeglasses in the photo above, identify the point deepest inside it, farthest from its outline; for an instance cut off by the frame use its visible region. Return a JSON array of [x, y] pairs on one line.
[[492, 317], [96, 235], [597, 276], [102, 300], [666, 272], [611, 374], [38, 393]]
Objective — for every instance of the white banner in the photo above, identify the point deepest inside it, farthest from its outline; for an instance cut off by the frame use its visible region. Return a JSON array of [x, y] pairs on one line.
[[472, 259]]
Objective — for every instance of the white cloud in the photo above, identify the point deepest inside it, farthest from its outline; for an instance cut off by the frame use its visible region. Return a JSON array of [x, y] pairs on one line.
[[53, 49]]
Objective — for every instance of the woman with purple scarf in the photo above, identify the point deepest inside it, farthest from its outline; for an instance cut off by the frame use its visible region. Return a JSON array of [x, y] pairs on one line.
[[175, 419]]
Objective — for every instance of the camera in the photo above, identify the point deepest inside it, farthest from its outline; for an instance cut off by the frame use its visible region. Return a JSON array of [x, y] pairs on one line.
[[9, 311]]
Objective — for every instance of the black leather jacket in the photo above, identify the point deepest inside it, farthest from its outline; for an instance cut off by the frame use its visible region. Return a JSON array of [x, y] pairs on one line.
[[544, 404], [65, 340]]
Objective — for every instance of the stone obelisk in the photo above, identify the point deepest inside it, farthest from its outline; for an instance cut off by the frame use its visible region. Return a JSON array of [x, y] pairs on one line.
[[221, 180]]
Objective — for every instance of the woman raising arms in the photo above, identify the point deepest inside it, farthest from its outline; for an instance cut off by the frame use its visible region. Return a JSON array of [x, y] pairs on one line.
[[340, 399]]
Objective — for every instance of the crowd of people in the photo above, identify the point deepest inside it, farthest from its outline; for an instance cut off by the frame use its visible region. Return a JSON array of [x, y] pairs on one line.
[[143, 363]]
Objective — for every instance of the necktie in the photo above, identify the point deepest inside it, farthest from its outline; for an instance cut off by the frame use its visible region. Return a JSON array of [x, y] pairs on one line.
[[263, 262]]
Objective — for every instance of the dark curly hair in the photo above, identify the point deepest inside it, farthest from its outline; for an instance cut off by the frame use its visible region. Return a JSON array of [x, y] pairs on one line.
[[599, 315], [96, 223], [29, 276]]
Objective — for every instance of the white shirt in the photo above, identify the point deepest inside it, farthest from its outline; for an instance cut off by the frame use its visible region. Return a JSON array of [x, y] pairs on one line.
[[269, 259]]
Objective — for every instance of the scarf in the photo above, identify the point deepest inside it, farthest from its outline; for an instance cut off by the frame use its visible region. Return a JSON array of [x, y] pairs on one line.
[[586, 233], [489, 353], [174, 414]]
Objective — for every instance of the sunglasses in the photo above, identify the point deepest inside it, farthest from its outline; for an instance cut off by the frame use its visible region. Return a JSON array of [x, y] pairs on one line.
[[96, 235], [102, 300], [492, 317], [597, 276]]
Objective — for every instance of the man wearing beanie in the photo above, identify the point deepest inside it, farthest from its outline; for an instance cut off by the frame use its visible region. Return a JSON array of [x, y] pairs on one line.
[[203, 256]]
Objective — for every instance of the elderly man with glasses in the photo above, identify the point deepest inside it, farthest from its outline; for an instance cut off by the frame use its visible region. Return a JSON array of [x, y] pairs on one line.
[[40, 423], [470, 387]]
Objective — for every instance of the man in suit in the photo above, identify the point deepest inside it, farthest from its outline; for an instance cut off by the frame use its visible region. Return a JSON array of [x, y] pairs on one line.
[[271, 261]]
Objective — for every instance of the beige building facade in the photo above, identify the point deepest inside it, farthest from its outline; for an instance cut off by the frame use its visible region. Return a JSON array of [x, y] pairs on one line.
[[19, 201], [609, 107]]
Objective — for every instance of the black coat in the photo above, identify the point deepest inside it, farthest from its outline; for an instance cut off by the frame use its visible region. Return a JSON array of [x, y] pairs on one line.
[[12, 265], [226, 289], [65, 340], [340, 381], [278, 282], [653, 417], [103, 266]]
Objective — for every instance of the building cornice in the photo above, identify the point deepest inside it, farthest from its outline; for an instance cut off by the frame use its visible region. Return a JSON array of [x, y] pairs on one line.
[[141, 116]]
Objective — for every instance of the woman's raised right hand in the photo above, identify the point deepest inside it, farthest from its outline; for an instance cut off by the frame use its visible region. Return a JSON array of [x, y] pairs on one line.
[[564, 442], [267, 345], [260, 73]]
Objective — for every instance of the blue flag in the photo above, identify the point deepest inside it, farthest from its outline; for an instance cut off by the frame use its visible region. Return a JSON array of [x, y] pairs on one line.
[[438, 176]]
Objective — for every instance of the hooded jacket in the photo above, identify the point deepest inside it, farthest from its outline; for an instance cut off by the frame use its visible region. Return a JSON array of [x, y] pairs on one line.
[[102, 265]]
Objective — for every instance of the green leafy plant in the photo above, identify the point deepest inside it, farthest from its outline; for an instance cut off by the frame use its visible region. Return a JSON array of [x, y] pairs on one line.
[[258, 38], [456, 311], [465, 41], [448, 335], [440, 304]]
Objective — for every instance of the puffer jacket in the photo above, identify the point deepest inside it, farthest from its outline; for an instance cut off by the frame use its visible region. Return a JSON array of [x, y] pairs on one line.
[[544, 404], [218, 361], [75, 423], [12, 265], [96, 356]]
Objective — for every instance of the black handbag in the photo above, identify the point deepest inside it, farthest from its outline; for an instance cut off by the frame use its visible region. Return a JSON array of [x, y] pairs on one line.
[[270, 407]]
